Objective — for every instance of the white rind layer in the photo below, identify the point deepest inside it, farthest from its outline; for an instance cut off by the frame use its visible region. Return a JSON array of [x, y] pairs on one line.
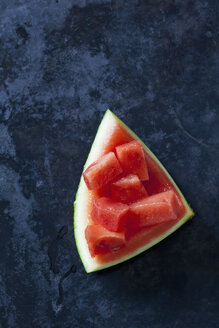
[[83, 198]]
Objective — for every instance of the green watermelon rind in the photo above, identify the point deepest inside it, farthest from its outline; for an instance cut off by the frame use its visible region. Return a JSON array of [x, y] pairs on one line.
[[89, 263]]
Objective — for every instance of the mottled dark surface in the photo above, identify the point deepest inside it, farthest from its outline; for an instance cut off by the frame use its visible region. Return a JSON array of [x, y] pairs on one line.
[[62, 64]]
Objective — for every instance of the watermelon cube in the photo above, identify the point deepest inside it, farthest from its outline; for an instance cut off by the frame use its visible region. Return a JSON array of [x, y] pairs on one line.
[[101, 241], [99, 173], [109, 213], [132, 159], [128, 189], [162, 207]]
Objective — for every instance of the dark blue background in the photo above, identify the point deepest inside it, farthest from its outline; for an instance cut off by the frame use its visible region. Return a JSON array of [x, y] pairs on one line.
[[62, 64]]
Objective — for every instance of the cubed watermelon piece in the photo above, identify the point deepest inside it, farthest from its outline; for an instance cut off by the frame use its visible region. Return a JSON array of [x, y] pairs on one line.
[[101, 241], [128, 189], [162, 207], [109, 213], [99, 173], [132, 159]]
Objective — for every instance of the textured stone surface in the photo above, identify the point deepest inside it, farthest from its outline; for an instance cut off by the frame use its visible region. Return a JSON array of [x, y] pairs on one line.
[[62, 64]]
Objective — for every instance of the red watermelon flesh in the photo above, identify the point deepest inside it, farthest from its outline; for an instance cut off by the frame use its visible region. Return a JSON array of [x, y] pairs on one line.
[[157, 183], [159, 208], [109, 213], [101, 241], [142, 237], [99, 173], [132, 159], [128, 189]]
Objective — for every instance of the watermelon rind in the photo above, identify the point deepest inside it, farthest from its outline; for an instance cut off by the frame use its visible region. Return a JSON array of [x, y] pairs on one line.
[[83, 198]]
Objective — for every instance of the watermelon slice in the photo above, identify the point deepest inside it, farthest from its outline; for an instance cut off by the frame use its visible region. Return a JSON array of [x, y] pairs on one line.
[[100, 248]]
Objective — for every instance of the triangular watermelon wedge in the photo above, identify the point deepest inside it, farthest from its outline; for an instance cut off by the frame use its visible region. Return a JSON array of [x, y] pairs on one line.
[[113, 132]]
